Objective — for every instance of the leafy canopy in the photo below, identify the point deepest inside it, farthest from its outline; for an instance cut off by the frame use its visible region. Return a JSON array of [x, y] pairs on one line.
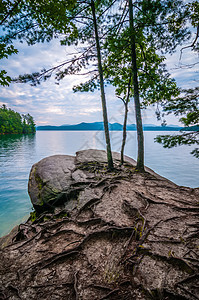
[[187, 107]]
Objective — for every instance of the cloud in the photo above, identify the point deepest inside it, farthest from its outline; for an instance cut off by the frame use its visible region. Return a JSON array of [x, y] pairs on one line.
[[183, 67], [55, 104]]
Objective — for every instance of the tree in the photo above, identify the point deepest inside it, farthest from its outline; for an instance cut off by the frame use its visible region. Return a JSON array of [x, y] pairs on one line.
[[132, 50], [22, 19], [28, 124], [147, 27], [155, 84], [7, 9], [11, 122], [186, 106], [125, 99], [193, 13], [100, 70], [64, 20], [126, 54], [153, 17], [140, 135], [92, 84], [160, 23]]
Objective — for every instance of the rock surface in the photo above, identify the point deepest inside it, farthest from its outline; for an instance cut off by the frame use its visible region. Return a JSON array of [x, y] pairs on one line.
[[58, 179], [115, 235], [49, 178]]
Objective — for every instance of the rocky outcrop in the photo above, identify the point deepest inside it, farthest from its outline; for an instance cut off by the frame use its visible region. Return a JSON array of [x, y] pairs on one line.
[[60, 179], [57, 179], [107, 235]]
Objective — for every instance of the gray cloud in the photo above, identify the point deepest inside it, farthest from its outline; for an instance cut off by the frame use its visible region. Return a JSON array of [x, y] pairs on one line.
[[57, 104]]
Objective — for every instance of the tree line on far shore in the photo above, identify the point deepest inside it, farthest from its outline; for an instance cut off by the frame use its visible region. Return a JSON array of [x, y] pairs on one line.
[[13, 122]]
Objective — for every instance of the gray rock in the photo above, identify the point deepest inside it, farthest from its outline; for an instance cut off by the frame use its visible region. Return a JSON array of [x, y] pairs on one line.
[[100, 156], [49, 179], [59, 179], [91, 155]]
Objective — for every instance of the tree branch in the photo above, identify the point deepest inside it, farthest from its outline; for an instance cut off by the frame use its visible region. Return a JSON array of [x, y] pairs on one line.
[[192, 45], [10, 12]]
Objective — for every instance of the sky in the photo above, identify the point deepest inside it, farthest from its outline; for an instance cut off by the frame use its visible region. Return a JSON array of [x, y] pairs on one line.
[[52, 104]]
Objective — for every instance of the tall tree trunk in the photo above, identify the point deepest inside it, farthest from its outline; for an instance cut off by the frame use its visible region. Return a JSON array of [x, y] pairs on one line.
[[140, 136], [124, 132], [103, 98]]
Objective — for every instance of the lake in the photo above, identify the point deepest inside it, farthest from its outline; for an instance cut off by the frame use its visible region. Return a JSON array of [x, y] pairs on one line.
[[18, 153]]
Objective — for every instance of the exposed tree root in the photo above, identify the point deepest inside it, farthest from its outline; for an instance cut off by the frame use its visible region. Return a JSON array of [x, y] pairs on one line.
[[135, 237]]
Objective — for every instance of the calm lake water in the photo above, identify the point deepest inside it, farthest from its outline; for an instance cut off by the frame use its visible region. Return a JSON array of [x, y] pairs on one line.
[[19, 153]]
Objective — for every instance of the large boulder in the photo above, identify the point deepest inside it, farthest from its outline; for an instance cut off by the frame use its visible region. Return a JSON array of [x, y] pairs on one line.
[[61, 179], [58, 180], [49, 177]]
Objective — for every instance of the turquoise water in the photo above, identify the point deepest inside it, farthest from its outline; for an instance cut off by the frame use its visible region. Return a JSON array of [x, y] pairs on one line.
[[18, 153]]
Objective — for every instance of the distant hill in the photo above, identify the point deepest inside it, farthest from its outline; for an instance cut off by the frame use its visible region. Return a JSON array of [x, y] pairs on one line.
[[192, 128], [98, 126]]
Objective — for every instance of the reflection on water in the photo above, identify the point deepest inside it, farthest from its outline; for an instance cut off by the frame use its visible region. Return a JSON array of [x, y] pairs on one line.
[[15, 162], [10, 144], [19, 152]]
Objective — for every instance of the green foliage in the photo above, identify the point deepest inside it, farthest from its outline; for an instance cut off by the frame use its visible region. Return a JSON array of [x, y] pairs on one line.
[[33, 216], [32, 21], [4, 78], [186, 106], [161, 23], [164, 22], [6, 8], [158, 25], [155, 84], [5, 51], [13, 122], [193, 11]]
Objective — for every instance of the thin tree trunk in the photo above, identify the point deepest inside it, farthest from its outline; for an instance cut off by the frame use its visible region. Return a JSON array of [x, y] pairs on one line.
[[125, 119], [124, 132], [103, 98], [140, 136]]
